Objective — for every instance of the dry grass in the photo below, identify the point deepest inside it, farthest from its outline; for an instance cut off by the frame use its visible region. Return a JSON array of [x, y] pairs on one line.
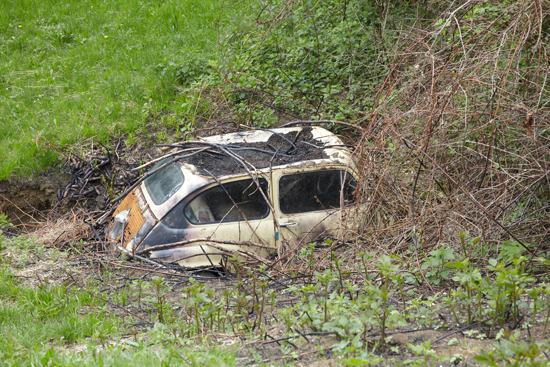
[[459, 140], [55, 232]]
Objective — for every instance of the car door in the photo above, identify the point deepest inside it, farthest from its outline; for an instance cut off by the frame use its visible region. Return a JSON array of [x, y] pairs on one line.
[[308, 202], [232, 211]]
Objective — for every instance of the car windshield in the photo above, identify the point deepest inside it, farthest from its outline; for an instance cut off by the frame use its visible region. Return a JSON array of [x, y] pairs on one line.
[[164, 183]]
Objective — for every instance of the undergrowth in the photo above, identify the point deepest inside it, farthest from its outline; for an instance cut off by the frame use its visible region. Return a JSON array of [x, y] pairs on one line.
[[506, 300], [449, 101]]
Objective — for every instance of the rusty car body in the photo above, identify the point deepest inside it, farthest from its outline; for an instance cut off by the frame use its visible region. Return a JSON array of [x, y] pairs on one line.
[[244, 192]]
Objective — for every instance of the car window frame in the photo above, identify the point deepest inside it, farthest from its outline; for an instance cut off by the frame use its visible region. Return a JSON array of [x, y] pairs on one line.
[[194, 196], [344, 170], [175, 166]]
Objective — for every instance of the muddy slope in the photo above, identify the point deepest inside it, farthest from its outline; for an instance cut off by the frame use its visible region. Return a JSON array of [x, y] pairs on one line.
[[28, 200]]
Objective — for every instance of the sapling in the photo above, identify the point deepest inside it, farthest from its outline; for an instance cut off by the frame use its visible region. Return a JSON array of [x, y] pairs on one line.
[[123, 293], [138, 287], [547, 292], [364, 258], [450, 301], [534, 293], [307, 254], [386, 270], [306, 290], [469, 278], [272, 299], [424, 309], [254, 297], [194, 291], [463, 236], [326, 278], [337, 262], [500, 298], [238, 302], [425, 350], [351, 288], [399, 279], [288, 317], [435, 262], [260, 308], [516, 279], [160, 291]]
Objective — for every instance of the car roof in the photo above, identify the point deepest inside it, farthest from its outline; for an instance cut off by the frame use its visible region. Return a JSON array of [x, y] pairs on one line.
[[208, 160], [264, 149]]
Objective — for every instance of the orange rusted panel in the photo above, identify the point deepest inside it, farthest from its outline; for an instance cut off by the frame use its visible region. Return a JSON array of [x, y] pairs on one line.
[[135, 221]]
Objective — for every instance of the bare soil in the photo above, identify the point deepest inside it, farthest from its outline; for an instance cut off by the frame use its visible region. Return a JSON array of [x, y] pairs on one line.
[[26, 201]]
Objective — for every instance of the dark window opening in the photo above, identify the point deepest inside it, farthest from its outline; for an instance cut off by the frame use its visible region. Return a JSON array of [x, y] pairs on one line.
[[232, 202], [313, 191]]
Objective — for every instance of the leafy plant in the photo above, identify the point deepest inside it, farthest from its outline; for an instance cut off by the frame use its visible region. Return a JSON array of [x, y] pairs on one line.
[[469, 278], [387, 268], [507, 352], [435, 262], [510, 250], [157, 299], [423, 350]]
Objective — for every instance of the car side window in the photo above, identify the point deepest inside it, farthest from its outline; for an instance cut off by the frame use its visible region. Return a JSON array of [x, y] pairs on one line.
[[232, 201], [312, 191]]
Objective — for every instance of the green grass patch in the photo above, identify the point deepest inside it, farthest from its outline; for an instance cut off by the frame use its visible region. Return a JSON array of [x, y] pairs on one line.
[[74, 70], [34, 315], [61, 325], [36, 321]]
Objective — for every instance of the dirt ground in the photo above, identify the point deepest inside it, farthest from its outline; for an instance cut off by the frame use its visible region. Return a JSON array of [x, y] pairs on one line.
[[27, 201]]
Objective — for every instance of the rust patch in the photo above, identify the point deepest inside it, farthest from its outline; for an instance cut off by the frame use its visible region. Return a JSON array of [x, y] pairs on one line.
[[135, 221]]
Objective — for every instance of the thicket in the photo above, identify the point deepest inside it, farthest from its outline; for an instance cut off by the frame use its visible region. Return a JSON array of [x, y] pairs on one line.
[[446, 105], [448, 102]]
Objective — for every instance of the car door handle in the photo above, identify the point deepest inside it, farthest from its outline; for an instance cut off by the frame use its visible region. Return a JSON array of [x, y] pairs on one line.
[[287, 224]]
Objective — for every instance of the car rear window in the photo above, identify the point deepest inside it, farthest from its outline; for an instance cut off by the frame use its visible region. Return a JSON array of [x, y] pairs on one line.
[[164, 183], [232, 201]]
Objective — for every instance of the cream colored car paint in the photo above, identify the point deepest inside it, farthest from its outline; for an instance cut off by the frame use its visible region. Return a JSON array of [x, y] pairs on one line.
[[304, 227]]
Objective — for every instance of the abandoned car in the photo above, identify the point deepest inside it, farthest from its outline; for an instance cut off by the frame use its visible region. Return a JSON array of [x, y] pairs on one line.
[[242, 192]]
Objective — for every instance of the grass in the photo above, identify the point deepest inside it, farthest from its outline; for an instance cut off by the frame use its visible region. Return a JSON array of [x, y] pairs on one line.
[[68, 324], [75, 70], [35, 322], [35, 315]]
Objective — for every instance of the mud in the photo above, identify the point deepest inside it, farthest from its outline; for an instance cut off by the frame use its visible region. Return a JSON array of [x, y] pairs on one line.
[[277, 151], [27, 200]]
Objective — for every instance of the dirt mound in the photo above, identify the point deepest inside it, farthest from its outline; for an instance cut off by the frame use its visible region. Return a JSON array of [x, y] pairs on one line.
[[27, 201]]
